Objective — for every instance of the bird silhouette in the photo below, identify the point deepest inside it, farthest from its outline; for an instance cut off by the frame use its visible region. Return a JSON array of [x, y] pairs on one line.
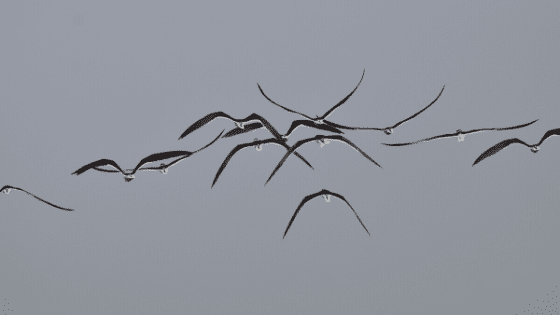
[[387, 130], [322, 140], [6, 189], [257, 144], [504, 144], [317, 119], [293, 127], [460, 134], [326, 194], [129, 174]]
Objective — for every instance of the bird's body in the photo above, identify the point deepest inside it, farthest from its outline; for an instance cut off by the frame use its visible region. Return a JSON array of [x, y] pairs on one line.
[[129, 174], [504, 144], [322, 140], [460, 134], [326, 194], [6, 189]]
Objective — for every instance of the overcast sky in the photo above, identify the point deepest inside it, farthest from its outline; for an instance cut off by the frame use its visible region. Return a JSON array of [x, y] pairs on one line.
[[82, 81]]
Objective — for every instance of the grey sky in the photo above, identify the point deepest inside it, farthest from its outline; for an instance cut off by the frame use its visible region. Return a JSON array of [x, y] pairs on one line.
[[83, 80]]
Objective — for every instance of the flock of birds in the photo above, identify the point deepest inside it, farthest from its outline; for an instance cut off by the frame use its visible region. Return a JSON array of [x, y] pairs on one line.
[[255, 121]]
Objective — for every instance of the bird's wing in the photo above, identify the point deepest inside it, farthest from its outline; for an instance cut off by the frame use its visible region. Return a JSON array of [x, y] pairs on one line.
[[418, 113], [497, 148], [447, 135], [106, 171], [518, 126], [186, 155], [237, 149], [303, 201], [330, 111], [285, 108], [311, 124], [348, 142], [50, 204], [101, 162], [204, 120], [158, 157], [152, 168], [500, 129], [290, 151], [344, 199], [249, 127], [550, 133], [330, 123], [266, 124], [209, 144]]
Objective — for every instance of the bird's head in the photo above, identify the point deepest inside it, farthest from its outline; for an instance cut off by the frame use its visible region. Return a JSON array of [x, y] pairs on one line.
[[459, 131], [163, 169], [6, 190], [535, 149], [388, 131], [240, 125], [327, 198]]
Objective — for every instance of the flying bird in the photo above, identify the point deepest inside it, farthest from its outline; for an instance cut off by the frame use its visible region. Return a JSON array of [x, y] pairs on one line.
[[387, 130], [293, 127], [257, 144], [317, 119], [326, 194], [322, 140], [502, 145], [6, 189], [129, 174], [460, 134], [240, 123]]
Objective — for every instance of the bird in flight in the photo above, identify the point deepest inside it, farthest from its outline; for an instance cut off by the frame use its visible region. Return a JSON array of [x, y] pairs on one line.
[[460, 134], [6, 189], [317, 119], [293, 127], [502, 145], [257, 144], [322, 140], [387, 130], [326, 194], [240, 123], [129, 174]]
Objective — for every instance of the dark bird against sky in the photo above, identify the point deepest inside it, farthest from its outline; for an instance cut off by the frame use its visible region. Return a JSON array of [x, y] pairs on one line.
[[504, 144], [129, 175], [387, 130], [317, 119], [326, 194], [322, 140], [258, 145], [460, 134], [6, 189], [293, 127]]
